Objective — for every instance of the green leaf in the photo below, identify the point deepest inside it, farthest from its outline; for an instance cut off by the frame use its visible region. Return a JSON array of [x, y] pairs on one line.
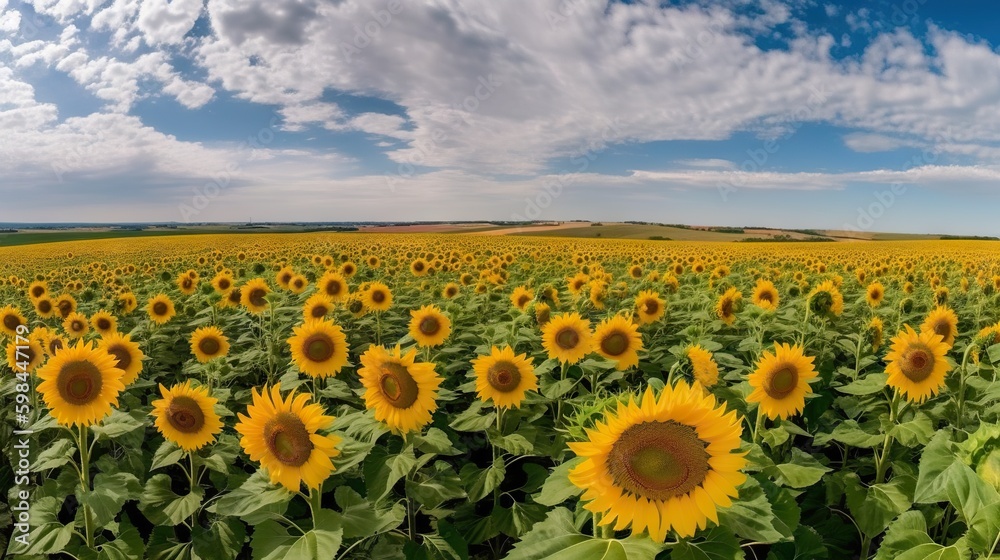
[[719, 544], [915, 432], [932, 551], [55, 455], [557, 488], [435, 441], [480, 482], [908, 531], [160, 504], [473, 419], [984, 529], [875, 506], [222, 541], [803, 471], [110, 493], [967, 491], [116, 425], [852, 434], [360, 518], [271, 541], [557, 538], [994, 353], [515, 444], [935, 459], [383, 470], [751, 516], [47, 534], [167, 454], [868, 385], [433, 489], [127, 546], [255, 500]]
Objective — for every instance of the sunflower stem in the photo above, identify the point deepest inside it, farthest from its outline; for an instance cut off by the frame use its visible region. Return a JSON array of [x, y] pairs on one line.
[[192, 483], [88, 522], [378, 328], [559, 403], [960, 398], [315, 503], [758, 425], [882, 459]]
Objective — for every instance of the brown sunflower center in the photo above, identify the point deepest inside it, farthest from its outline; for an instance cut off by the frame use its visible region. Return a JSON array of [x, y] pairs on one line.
[[318, 311], [318, 348], [11, 322], [257, 297], [917, 364], [876, 294], [160, 308], [781, 382], [298, 283], [65, 308], [79, 382], [356, 306], [567, 338], [44, 306], [651, 306], [726, 307], [288, 440], [333, 288], [523, 300], [185, 415], [187, 283], [209, 345], [504, 377], [658, 460], [418, 266], [235, 296], [76, 326], [38, 291], [429, 326], [766, 297], [55, 345], [943, 328], [398, 386], [121, 354], [285, 278], [615, 344], [378, 296], [224, 284], [103, 324]]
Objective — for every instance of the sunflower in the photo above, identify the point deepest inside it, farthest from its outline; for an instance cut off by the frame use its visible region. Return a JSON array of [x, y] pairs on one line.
[[232, 298], [128, 302], [80, 384], [521, 297], [254, 295], [874, 332], [319, 348], [661, 463], [428, 326], [567, 337], [284, 277], [186, 416], [916, 364], [576, 283], [450, 290], [318, 306], [282, 435], [504, 377], [618, 339], [37, 290], [10, 320], [223, 282], [598, 293], [781, 381], [542, 313], [378, 297], [649, 307], [127, 354], [160, 309], [826, 300], [298, 284], [765, 295], [727, 305], [355, 305], [104, 323], [874, 294], [418, 267], [25, 357], [186, 284], [208, 343], [401, 392], [942, 321], [76, 325], [348, 269], [65, 304], [45, 307], [51, 342], [333, 286], [703, 366]]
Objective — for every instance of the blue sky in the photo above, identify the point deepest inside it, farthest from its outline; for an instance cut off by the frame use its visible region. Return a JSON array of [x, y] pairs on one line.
[[874, 116]]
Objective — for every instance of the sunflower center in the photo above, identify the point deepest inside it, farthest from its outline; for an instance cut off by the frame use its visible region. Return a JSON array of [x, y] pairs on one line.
[[429, 326], [504, 377], [11, 322], [65, 308], [398, 386], [567, 339], [285, 278], [726, 307], [185, 415], [79, 382], [822, 302], [224, 284], [333, 288], [122, 355], [160, 308], [523, 300], [103, 324], [356, 306], [55, 345], [917, 364], [378, 296], [45, 306], [319, 311], [418, 266], [38, 291], [209, 345], [942, 328], [235, 296], [615, 344], [780, 383], [288, 440], [766, 297], [318, 348], [651, 306], [187, 283], [257, 297], [658, 460], [76, 326]]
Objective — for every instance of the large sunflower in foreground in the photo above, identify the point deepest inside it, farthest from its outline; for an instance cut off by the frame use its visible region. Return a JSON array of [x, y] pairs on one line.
[[80, 384], [186, 416], [282, 436], [428, 326], [126, 353], [401, 391], [618, 339], [665, 463], [567, 337], [160, 309], [504, 377], [208, 343], [781, 381], [942, 321], [319, 348], [916, 364]]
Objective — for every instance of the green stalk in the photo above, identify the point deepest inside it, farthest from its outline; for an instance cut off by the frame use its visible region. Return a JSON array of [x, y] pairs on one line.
[[88, 521]]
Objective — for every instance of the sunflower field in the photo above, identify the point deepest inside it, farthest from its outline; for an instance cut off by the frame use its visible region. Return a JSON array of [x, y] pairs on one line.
[[379, 396]]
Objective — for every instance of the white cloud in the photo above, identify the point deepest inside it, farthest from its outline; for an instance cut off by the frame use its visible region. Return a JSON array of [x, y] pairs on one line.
[[163, 21]]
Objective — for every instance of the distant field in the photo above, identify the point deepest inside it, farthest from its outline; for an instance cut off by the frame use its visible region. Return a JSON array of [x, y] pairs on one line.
[[26, 238], [642, 231]]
